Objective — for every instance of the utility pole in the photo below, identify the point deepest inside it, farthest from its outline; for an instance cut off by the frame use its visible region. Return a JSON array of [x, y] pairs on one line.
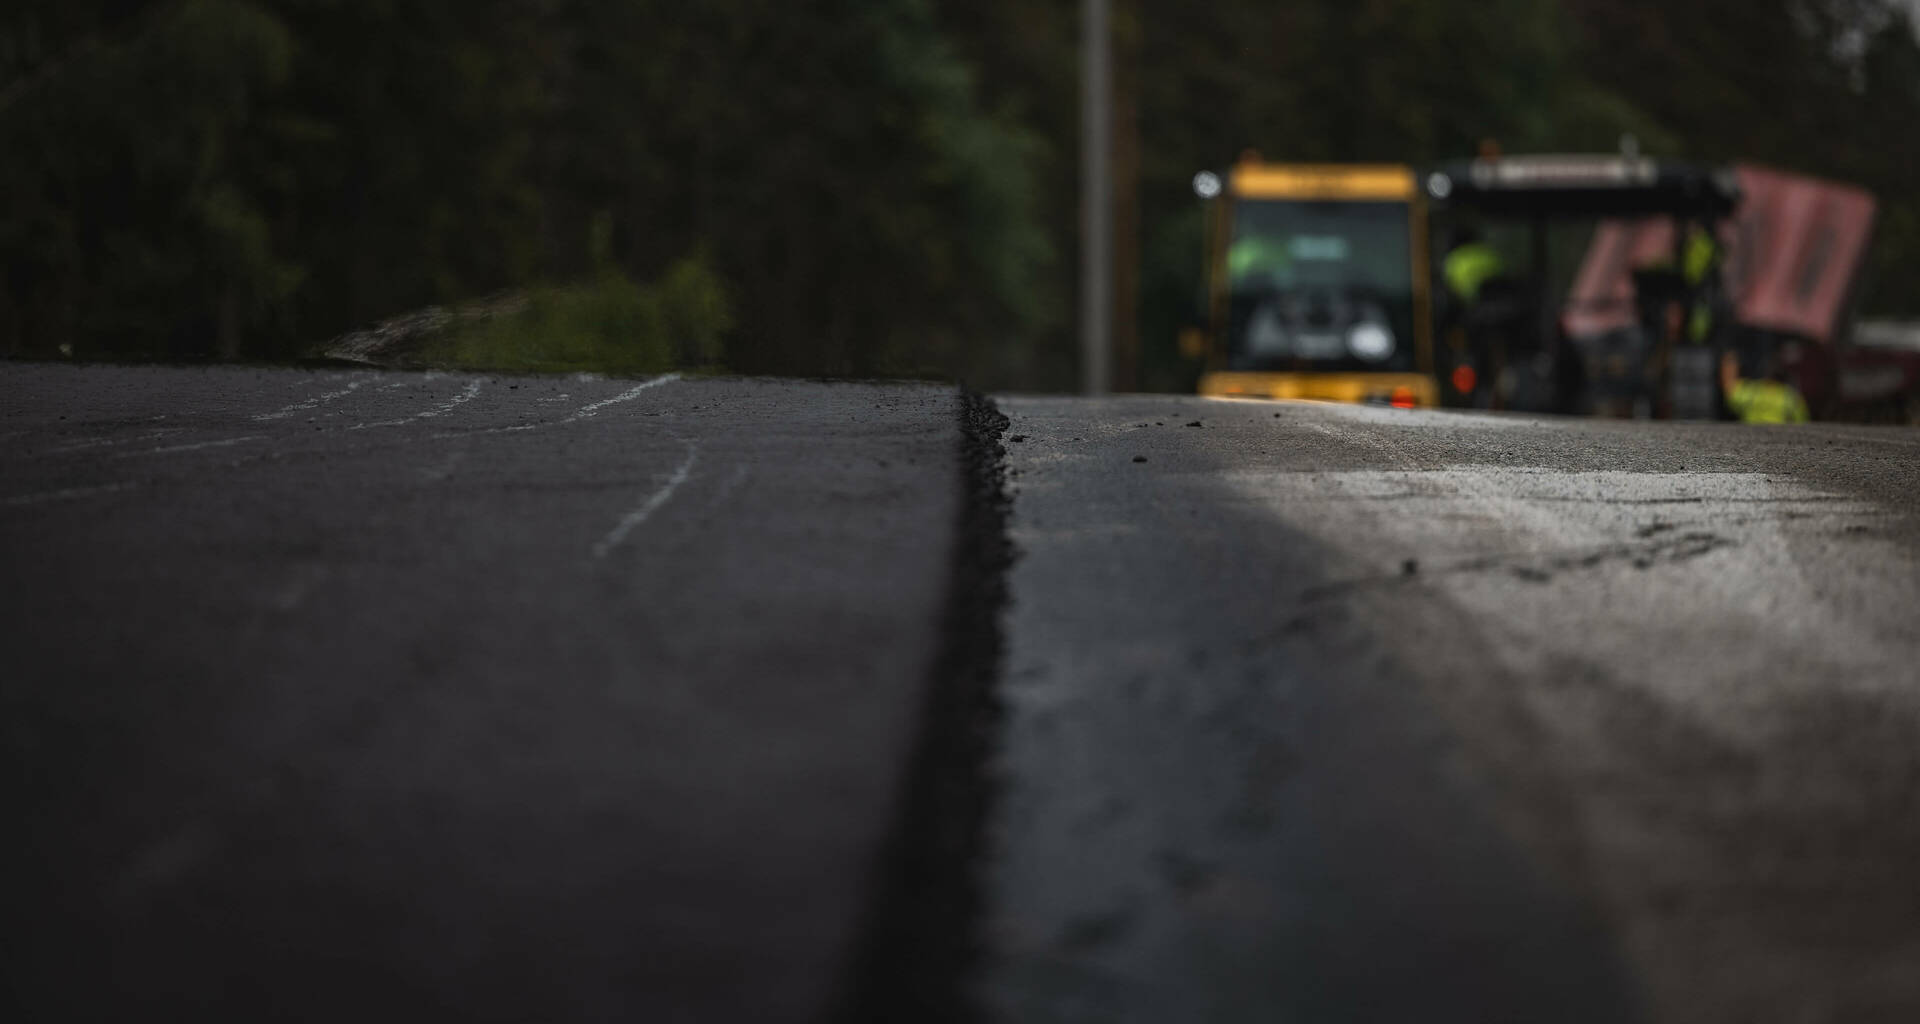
[[1096, 197], [1125, 32]]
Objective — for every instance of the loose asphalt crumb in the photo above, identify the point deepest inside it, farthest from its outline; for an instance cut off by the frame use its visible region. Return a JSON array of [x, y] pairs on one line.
[[921, 942]]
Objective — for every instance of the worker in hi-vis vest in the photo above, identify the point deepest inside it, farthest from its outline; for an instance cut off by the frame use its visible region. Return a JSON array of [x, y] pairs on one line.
[[1470, 264], [1700, 268], [1259, 263], [1759, 401]]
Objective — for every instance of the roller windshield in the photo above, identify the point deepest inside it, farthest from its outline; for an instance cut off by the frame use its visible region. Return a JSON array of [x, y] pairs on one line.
[[1320, 285]]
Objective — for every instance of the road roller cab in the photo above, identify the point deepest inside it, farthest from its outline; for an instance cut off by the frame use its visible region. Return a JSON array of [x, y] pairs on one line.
[[1317, 285]]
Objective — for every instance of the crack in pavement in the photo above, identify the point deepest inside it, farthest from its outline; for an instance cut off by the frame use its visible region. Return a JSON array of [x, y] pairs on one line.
[[1542, 566]]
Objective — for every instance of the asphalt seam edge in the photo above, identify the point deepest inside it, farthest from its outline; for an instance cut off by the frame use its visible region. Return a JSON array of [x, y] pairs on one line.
[[920, 941]]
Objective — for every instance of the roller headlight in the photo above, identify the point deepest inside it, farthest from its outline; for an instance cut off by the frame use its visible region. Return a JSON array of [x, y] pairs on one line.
[[1370, 342]]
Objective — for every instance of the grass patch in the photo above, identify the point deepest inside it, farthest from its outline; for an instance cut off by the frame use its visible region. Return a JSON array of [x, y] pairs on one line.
[[611, 324]]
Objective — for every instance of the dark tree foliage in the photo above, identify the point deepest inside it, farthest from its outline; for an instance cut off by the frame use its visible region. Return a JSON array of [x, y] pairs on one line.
[[137, 195], [244, 177], [880, 186]]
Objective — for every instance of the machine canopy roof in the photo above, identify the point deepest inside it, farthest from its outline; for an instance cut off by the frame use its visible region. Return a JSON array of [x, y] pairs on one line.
[[1585, 187]]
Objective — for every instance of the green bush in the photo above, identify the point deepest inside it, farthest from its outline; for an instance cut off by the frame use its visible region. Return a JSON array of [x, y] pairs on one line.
[[608, 325]]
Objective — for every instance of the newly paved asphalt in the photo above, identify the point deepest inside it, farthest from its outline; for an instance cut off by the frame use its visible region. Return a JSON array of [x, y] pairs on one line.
[[366, 696], [1321, 713], [362, 695]]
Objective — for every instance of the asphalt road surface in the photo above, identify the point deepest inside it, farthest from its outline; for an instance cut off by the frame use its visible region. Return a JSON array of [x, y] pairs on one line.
[[354, 695], [1321, 712], [338, 694]]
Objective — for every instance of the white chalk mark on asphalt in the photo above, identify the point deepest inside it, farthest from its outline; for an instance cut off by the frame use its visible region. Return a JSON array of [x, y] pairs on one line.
[[110, 442], [67, 494], [727, 487], [589, 411], [439, 410], [168, 449], [582, 413], [648, 507], [445, 468], [312, 403]]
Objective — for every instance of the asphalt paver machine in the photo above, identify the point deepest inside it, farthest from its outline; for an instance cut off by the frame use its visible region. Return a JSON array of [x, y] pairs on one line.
[[1509, 346]]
